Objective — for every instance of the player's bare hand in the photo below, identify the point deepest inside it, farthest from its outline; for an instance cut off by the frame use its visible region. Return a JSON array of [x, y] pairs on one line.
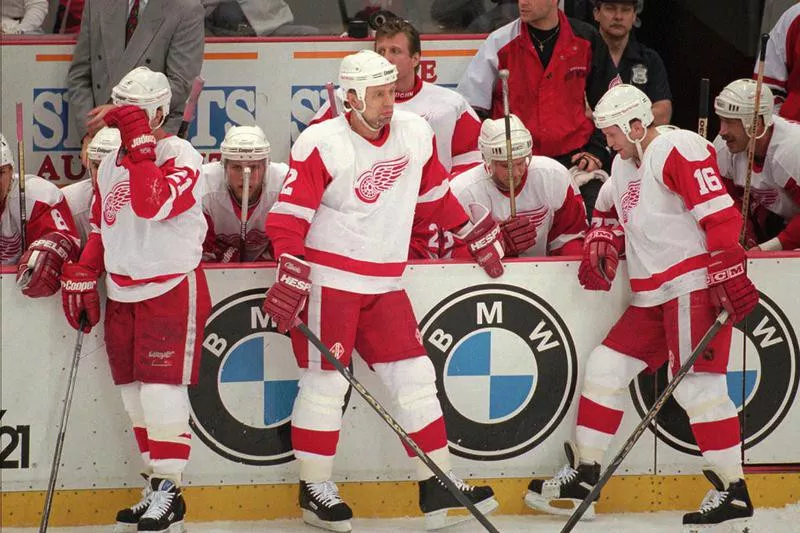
[[586, 162], [95, 121]]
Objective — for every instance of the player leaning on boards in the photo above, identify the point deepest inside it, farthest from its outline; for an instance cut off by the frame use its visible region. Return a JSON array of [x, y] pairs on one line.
[[681, 233], [147, 235], [243, 147], [551, 217], [341, 230], [51, 234], [775, 180]]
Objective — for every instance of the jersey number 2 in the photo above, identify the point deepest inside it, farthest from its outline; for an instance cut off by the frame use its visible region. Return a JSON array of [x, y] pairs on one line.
[[707, 180]]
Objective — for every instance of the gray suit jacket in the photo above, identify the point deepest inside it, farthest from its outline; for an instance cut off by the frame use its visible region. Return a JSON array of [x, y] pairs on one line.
[[169, 38]]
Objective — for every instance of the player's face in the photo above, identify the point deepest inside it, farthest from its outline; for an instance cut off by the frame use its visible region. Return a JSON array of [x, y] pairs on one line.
[[6, 174], [379, 105], [617, 141], [534, 10], [502, 176], [615, 20], [396, 50], [732, 132], [234, 171]]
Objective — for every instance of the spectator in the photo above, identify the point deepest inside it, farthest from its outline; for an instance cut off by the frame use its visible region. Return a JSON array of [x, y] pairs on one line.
[[625, 60], [73, 22], [118, 35], [504, 12], [252, 18], [456, 15], [782, 63], [23, 16]]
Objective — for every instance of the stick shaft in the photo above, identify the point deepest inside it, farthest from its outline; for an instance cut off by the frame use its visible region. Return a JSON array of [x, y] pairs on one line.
[[332, 100], [191, 106], [63, 27], [702, 116], [509, 156], [23, 211], [245, 208]]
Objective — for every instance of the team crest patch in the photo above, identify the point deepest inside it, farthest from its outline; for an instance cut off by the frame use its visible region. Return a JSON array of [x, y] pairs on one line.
[[617, 80], [764, 197], [639, 74], [119, 197], [381, 177], [630, 199]]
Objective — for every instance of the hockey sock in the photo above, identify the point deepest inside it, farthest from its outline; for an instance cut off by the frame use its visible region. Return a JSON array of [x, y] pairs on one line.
[[166, 414], [131, 399]]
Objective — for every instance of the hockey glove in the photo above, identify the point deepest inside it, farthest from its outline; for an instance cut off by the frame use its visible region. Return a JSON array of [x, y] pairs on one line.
[[600, 259], [484, 240], [79, 295], [730, 287], [39, 269], [519, 234], [288, 295], [135, 131]]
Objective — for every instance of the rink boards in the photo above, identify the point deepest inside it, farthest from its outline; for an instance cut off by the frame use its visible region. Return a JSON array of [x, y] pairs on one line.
[[508, 353]]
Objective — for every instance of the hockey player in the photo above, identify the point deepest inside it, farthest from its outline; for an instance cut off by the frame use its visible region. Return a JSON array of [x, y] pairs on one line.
[[79, 195], [244, 146], [782, 63], [551, 217], [51, 234], [775, 179], [684, 261], [147, 236], [340, 230]]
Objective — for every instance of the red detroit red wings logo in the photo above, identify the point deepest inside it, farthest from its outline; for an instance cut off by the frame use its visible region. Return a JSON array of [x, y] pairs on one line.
[[764, 197], [10, 247], [118, 198], [537, 215], [630, 199], [381, 177]]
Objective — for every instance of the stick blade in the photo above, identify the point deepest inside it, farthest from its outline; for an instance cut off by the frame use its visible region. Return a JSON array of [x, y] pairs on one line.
[[191, 102]]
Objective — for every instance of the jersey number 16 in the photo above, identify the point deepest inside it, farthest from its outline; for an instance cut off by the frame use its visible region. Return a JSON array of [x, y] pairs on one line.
[[707, 180]]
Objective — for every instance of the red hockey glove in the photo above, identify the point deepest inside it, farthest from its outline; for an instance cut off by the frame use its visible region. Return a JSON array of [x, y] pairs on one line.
[[731, 289], [519, 234], [484, 240], [79, 295], [134, 129], [600, 259], [287, 297], [39, 269]]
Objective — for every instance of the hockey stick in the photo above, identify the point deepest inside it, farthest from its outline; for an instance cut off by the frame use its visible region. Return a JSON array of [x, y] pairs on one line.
[[243, 216], [702, 117], [62, 429], [648, 418], [343, 14], [443, 478], [751, 145], [332, 100], [63, 26], [191, 106], [507, 117], [23, 213]]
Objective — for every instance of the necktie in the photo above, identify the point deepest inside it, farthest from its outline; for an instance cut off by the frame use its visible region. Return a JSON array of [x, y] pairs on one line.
[[133, 20]]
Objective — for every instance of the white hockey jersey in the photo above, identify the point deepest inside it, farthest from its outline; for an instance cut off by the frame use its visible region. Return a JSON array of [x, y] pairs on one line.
[[79, 198], [348, 204], [46, 211], [223, 213], [453, 121], [546, 195], [665, 207], [151, 224], [782, 63]]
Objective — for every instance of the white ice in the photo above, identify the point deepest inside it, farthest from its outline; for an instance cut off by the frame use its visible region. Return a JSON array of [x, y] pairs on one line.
[[786, 520]]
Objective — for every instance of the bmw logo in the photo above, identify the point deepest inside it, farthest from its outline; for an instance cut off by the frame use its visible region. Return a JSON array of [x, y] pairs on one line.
[[506, 369]]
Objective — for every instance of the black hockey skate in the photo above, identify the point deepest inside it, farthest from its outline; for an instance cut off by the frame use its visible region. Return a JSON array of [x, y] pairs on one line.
[[128, 518], [323, 507], [726, 508], [567, 489], [436, 501], [166, 509]]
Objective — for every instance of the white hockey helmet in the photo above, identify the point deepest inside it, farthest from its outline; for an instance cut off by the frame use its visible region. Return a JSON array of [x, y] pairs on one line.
[[145, 89], [737, 100], [492, 139], [365, 69], [104, 142], [620, 106], [6, 157], [245, 143]]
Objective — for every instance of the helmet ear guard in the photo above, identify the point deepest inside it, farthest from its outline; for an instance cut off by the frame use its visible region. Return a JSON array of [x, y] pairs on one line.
[[737, 101], [146, 90]]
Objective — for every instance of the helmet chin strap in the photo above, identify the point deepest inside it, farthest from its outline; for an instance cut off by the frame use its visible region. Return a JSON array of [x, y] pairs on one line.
[[637, 142], [747, 130]]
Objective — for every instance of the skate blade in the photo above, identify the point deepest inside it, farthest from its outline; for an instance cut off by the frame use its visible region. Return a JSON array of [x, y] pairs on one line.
[[566, 506], [737, 525], [311, 519], [442, 518], [175, 527]]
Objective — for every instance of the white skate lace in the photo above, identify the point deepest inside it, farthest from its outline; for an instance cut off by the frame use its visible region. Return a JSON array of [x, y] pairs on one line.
[[326, 493], [462, 486], [712, 500], [159, 504], [562, 477], [147, 494]]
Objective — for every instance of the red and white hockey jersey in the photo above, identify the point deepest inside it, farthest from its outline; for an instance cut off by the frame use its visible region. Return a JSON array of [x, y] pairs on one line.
[[47, 212], [546, 195], [453, 121], [775, 182], [223, 213], [674, 209], [348, 204], [782, 62], [151, 223], [79, 198]]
